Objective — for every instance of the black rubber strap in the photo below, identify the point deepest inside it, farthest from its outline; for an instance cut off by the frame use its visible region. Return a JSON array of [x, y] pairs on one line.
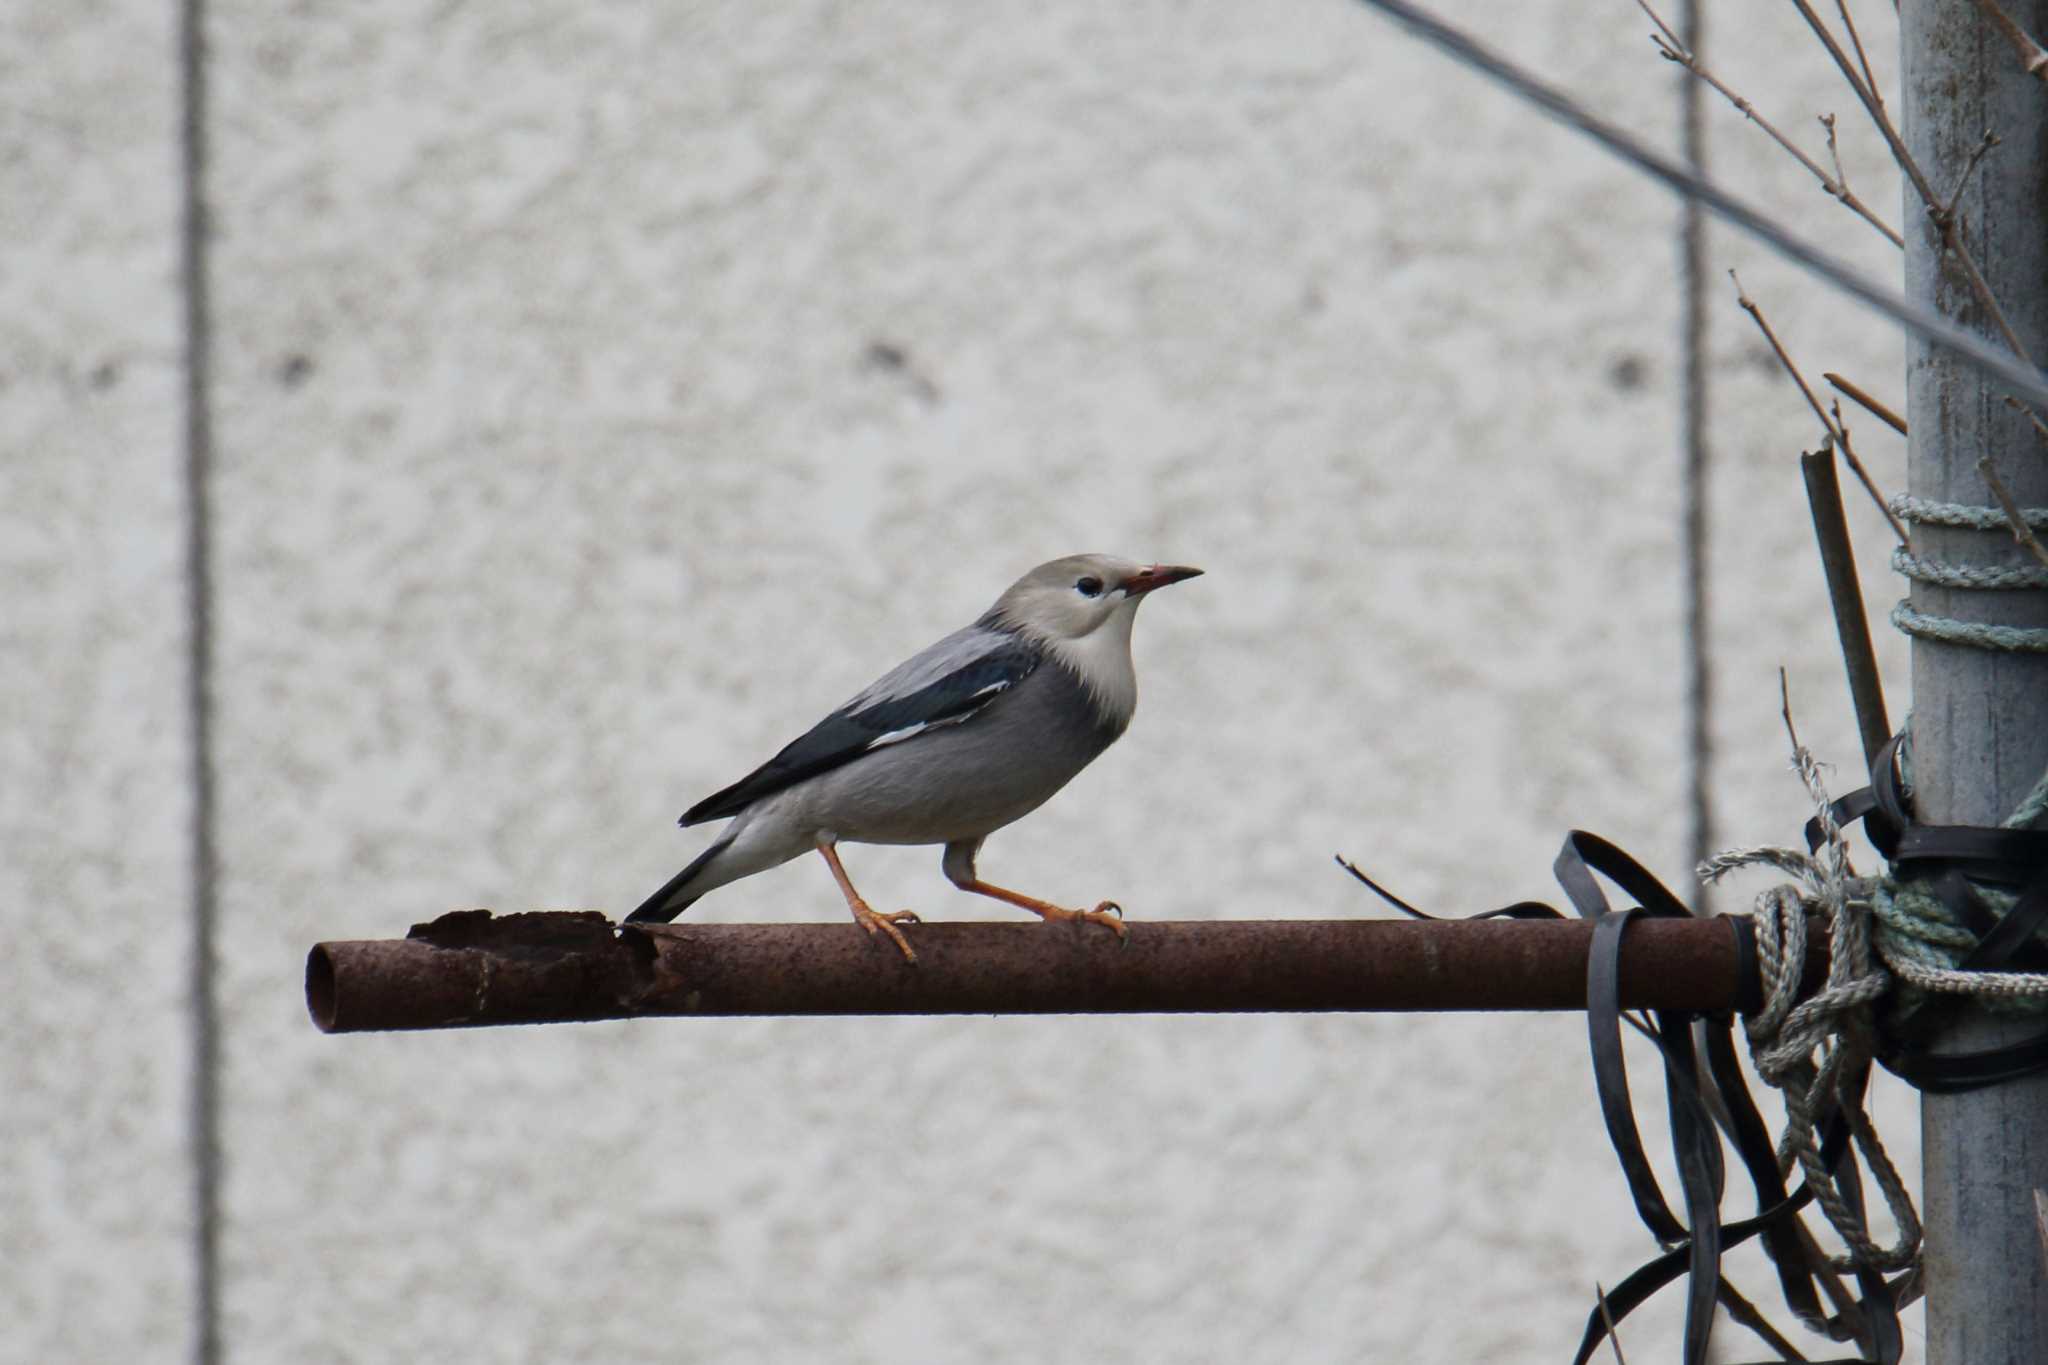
[[1695, 1247], [1951, 861], [2009, 943], [1695, 1145], [1693, 1072]]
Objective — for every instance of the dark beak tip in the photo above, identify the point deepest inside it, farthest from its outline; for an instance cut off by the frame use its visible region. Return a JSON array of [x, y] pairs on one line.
[[1161, 575]]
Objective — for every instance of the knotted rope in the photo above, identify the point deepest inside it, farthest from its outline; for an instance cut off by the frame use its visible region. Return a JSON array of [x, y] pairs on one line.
[[1817, 1053]]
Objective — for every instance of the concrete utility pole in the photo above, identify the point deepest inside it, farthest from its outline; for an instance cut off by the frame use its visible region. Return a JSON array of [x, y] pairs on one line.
[[1980, 717]]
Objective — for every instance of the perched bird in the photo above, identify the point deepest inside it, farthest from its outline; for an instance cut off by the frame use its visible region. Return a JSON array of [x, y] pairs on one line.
[[948, 746]]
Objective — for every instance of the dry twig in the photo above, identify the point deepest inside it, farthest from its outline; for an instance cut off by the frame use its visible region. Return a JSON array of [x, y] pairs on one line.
[[2014, 518], [1827, 123], [1871, 103], [2033, 58], [1607, 1318], [1749, 306], [1946, 221], [2040, 428], [1862, 474], [1856, 41], [1837, 185], [1916, 318], [1785, 708], [1832, 425], [1991, 140], [1951, 226], [1872, 405]]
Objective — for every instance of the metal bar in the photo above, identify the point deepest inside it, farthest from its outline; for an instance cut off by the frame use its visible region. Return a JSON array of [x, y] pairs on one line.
[[470, 969], [1980, 717], [1845, 594]]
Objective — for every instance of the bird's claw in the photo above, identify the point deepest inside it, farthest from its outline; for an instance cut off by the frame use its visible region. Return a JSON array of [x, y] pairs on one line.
[[1110, 916], [1123, 935], [875, 922]]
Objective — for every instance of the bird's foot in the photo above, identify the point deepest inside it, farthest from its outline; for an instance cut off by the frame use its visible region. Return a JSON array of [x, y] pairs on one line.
[[1108, 914], [875, 922]]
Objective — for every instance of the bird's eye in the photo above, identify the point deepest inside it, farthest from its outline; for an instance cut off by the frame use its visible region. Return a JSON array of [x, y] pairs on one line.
[[1090, 586]]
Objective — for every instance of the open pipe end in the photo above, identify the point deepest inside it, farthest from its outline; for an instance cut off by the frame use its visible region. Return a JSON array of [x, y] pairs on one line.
[[320, 987]]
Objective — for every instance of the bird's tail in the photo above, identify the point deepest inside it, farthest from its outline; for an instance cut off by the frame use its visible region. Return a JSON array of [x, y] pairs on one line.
[[676, 896]]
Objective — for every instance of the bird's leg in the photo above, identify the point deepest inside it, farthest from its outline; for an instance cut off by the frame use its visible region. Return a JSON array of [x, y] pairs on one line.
[[959, 869], [865, 915], [1108, 914]]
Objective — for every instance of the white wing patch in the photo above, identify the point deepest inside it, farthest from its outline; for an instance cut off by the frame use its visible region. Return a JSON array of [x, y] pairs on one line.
[[897, 736]]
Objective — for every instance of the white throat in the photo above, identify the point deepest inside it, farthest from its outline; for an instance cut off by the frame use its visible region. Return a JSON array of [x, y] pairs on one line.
[[1101, 659]]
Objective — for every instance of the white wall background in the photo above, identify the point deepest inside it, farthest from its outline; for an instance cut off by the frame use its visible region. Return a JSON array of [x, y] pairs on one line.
[[557, 481]]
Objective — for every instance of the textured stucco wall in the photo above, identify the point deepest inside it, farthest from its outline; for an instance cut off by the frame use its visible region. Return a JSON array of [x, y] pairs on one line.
[[561, 474], [94, 886]]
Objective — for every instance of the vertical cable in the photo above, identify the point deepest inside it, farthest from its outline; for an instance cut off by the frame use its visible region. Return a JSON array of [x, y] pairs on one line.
[[1699, 686], [198, 436]]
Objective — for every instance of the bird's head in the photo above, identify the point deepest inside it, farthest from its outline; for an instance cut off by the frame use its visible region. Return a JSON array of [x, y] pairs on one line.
[[1080, 609], [1071, 599]]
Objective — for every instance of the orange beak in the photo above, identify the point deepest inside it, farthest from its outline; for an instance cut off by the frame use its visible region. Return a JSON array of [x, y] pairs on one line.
[[1157, 576]]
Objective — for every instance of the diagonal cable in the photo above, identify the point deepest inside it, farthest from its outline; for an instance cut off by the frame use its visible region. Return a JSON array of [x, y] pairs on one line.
[[2023, 380]]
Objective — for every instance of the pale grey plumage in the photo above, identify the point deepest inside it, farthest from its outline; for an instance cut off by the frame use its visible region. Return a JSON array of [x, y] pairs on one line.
[[966, 736]]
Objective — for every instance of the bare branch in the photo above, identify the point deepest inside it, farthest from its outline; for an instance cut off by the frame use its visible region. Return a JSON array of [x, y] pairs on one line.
[[1863, 475], [1829, 424], [1871, 103], [1674, 50], [1951, 226], [1672, 43], [1827, 121], [2014, 518], [1785, 708], [1856, 41], [1948, 223], [1607, 1315], [1991, 140], [1749, 306], [2033, 58], [1917, 318], [2040, 429], [1874, 407]]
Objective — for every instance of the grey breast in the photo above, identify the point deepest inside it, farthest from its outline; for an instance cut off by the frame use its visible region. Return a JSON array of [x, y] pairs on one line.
[[966, 780]]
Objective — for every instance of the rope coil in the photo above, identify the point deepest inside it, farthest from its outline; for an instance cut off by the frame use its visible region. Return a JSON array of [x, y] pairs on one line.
[[1962, 515], [1967, 577], [1922, 944], [1990, 578]]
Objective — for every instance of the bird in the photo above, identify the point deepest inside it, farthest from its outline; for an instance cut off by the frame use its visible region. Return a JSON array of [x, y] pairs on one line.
[[957, 741]]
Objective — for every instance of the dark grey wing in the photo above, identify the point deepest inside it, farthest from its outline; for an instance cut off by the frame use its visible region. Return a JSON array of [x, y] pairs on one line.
[[944, 685]]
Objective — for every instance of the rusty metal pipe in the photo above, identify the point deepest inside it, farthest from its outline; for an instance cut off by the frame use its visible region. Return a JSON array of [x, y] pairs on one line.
[[470, 969]]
